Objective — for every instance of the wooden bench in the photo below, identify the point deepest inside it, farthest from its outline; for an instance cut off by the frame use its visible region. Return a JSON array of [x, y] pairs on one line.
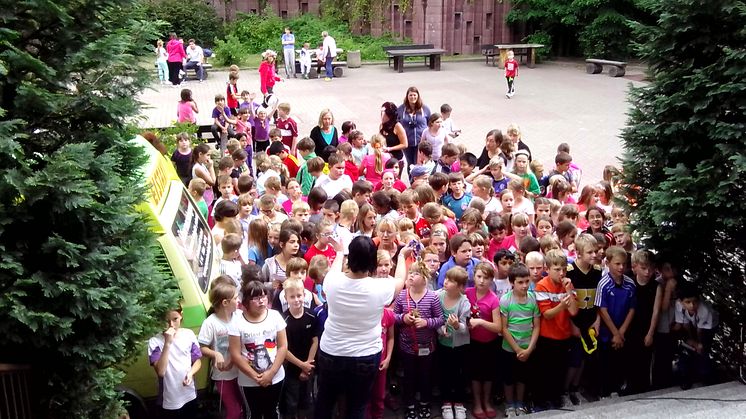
[[595, 66], [519, 50], [337, 69], [489, 51], [432, 54], [390, 48]]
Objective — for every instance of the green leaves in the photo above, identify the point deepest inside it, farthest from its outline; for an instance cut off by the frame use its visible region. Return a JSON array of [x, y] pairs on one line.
[[684, 162]]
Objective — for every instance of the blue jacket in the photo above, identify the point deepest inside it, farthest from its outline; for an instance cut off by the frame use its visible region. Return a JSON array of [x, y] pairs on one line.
[[450, 263], [413, 126]]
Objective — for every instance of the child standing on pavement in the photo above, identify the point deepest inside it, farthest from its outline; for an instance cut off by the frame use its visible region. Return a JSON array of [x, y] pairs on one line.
[[511, 72], [305, 60]]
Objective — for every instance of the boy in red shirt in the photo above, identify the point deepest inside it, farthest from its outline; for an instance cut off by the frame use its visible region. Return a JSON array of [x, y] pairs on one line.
[[511, 72], [322, 247], [287, 126], [278, 149], [556, 299]]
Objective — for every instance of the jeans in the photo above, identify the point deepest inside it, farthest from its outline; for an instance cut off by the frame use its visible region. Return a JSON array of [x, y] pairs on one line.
[[197, 66], [262, 401], [349, 377], [162, 70], [289, 58], [329, 69]]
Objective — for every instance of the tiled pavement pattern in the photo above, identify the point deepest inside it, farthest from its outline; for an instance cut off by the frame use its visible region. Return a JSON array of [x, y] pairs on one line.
[[554, 102]]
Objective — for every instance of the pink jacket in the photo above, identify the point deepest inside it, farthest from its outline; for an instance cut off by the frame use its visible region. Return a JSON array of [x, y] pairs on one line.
[[267, 76], [176, 52]]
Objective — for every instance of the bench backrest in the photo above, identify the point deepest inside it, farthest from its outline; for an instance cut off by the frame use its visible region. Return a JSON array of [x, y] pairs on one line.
[[401, 47], [487, 47]]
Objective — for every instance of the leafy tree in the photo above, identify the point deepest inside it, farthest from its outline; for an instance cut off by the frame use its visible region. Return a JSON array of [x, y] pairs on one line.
[[685, 158], [188, 19], [80, 288]]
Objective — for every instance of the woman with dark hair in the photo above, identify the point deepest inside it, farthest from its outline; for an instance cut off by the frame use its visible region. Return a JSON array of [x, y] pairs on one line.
[[413, 115], [350, 349], [392, 131], [176, 57], [491, 148]]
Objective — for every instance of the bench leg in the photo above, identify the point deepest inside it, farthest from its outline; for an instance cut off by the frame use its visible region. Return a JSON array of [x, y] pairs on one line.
[[399, 64], [615, 71], [435, 62], [593, 68], [532, 57]]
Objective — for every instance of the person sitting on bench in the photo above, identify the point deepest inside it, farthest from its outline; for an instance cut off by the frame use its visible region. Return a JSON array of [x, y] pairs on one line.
[[195, 59]]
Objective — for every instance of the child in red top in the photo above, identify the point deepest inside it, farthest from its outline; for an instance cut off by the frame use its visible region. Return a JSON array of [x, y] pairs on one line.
[[511, 72], [556, 299], [287, 126], [375, 406], [231, 93], [322, 247]]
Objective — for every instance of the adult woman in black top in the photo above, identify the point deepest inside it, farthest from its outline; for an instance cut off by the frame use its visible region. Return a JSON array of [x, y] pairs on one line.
[[491, 148], [392, 131], [413, 115], [325, 133]]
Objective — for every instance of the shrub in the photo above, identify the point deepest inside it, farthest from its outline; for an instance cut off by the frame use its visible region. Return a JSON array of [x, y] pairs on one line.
[[188, 18], [540, 37], [231, 51]]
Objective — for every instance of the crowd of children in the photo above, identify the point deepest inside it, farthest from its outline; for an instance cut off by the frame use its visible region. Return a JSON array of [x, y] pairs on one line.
[[519, 285]]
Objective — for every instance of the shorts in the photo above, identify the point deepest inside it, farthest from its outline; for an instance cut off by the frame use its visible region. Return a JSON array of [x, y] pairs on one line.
[[515, 371], [482, 360]]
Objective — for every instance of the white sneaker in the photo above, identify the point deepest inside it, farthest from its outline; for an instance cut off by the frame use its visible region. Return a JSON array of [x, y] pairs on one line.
[[566, 402], [460, 411], [447, 411], [510, 412]]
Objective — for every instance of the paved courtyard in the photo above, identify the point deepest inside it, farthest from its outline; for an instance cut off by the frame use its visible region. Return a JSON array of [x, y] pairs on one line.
[[554, 102]]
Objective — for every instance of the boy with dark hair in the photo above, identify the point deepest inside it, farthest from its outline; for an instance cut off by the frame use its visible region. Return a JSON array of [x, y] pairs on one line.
[[222, 125], [615, 298], [336, 181], [448, 125], [439, 182], [695, 323], [330, 211], [230, 264], [287, 126], [309, 173], [585, 278], [458, 200], [521, 322], [277, 148], [316, 199], [306, 148], [361, 191], [467, 161], [425, 156], [562, 163], [448, 156]]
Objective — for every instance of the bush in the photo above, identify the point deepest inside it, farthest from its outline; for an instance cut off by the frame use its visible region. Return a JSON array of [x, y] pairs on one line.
[[540, 37], [231, 51], [188, 18]]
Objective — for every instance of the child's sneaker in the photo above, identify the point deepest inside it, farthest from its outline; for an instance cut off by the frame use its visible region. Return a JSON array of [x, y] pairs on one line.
[[520, 411], [423, 411], [411, 413], [575, 398], [447, 411], [566, 402], [510, 412], [460, 411]]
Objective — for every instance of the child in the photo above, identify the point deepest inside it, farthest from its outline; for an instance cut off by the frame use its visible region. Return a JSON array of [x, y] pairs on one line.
[[615, 297], [351, 169], [305, 60], [537, 168], [301, 211], [448, 155], [366, 220], [695, 322], [316, 200], [303, 343], [566, 233], [336, 181], [499, 181], [359, 148], [519, 224], [225, 187], [197, 188], [347, 128], [544, 227], [434, 134], [419, 314], [267, 205], [376, 405], [448, 125], [231, 92], [504, 260], [648, 297], [556, 300], [528, 179], [222, 125], [535, 265], [484, 327], [574, 170], [309, 172], [425, 157], [260, 129], [182, 157], [278, 149], [287, 126], [213, 340], [258, 345], [467, 164], [458, 200], [259, 248], [664, 345], [521, 322], [230, 264], [175, 356], [453, 341], [187, 108], [461, 256], [585, 278], [371, 165], [330, 212], [322, 246], [562, 163], [511, 72], [521, 204]]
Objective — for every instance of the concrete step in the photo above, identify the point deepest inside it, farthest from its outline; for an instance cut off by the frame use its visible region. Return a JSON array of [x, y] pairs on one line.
[[727, 400]]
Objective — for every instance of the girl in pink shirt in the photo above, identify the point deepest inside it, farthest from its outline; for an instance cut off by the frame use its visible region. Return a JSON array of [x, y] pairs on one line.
[[372, 165], [187, 108]]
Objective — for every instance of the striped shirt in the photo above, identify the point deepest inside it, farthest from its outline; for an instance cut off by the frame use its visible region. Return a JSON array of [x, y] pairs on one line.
[[617, 299], [411, 338], [520, 317]]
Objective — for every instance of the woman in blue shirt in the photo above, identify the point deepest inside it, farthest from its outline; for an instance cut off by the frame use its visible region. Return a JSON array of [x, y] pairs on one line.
[[413, 115]]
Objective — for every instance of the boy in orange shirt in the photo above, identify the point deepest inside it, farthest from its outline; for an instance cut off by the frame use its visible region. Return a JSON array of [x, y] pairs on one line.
[[556, 299]]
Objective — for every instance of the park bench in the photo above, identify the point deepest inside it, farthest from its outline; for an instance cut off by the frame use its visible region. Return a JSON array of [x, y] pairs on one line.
[[595, 66], [193, 71], [519, 50], [432, 56], [389, 48], [337, 66], [489, 51]]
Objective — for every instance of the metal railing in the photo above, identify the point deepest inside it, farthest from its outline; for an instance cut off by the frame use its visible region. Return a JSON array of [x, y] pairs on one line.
[[15, 397]]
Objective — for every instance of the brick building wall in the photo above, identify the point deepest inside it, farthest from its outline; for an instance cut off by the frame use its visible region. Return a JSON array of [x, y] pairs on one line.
[[458, 26]]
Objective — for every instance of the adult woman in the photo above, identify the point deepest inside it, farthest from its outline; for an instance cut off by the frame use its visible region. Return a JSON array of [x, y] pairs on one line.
[[202, 168], [325, 133], [413, 116], [267, 75], [350, 349], [491, 148], [176, 56], [274, 267], [387, 237], [392, 131]]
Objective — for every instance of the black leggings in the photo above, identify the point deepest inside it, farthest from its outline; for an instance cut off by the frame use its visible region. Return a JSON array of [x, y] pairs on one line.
[[510, 84], [173, 72], [262, 401]]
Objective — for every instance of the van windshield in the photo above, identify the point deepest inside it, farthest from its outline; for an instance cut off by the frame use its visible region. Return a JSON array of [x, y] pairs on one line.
[[194, 239]]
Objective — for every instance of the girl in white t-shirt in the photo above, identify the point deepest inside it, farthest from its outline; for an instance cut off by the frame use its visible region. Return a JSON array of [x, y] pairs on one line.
[[258, 345], [520, 202], [213, 339], [435, 135], [175, 356]]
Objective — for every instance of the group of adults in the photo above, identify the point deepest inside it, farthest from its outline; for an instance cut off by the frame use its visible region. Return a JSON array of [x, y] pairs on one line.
[[402, 126], [176, 58], [328, 52]]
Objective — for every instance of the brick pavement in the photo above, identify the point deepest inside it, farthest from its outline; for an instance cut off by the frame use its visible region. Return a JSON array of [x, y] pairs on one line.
[[554, 102]]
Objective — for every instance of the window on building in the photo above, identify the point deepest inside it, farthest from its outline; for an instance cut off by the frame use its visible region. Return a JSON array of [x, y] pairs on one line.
[[457, 21], [488, 20]]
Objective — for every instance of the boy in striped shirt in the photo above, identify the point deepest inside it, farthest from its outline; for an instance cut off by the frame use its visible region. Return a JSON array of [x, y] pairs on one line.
[[521, 324]]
